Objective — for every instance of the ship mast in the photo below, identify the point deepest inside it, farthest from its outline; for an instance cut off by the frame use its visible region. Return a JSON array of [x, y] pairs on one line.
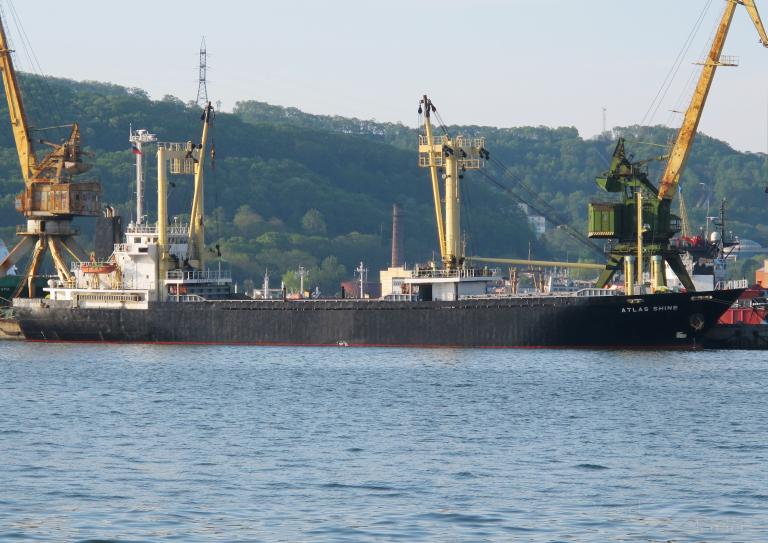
[[50, 199], [138, 139]]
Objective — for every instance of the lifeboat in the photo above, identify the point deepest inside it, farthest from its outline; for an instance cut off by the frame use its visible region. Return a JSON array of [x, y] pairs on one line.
[[98, 267], [181, 289]]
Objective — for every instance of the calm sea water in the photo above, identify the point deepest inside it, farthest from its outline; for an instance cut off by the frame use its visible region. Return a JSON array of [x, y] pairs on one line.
[[142, 443]]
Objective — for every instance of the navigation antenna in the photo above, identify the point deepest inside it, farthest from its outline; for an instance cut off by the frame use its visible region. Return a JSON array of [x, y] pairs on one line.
[[202, 88], [138, 138], [363, 272]]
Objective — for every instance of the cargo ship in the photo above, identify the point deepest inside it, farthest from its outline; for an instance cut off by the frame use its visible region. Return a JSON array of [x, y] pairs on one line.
[[157, 287]]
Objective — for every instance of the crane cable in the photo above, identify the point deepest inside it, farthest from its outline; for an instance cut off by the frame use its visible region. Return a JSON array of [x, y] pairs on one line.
[[48, 95], [550, 214], [666, 84], [688, 89], [569, 230], [216, 208]]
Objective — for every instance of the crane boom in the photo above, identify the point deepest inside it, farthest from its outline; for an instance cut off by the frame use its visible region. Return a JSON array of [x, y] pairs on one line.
[[197, 217], [24, 148], [682, 147], [755, 15], [432, 164]]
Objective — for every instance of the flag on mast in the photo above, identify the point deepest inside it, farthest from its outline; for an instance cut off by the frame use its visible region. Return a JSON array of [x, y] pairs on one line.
[[135, 149]]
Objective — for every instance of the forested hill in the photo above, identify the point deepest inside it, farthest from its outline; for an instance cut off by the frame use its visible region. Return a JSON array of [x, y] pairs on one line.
[[291, 189]]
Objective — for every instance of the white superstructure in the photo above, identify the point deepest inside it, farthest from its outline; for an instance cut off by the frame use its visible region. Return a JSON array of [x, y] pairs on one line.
[[152, 264]]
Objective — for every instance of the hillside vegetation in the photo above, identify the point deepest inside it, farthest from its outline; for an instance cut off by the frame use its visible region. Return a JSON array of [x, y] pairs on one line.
[[289, 188]]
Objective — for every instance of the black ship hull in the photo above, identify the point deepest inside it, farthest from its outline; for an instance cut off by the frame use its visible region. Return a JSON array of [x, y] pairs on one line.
[[661, 320]]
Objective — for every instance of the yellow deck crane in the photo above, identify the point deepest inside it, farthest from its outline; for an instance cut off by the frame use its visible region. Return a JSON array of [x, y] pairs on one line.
[[50, 198], [642, 223], [452, 155], [196, 222]]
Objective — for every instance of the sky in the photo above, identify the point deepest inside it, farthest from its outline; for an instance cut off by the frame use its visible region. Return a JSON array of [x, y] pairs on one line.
[[484, 62]]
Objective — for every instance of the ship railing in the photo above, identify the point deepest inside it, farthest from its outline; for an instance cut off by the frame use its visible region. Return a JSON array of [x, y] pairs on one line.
[[199, 275], [436, 140], [434, 151], [732, 284], [401, 298], [187, 298], [465, 142], [141, 229], [425, 161], [181, 156], [176, 229], [469, 143], [268, 294], [461, 272], [108, 297], [595, 292]]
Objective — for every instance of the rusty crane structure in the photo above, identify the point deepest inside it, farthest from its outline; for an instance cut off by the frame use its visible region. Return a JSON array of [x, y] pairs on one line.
[[51, 198]]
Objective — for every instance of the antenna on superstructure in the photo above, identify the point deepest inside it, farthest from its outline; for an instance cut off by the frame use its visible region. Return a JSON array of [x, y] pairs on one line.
[[202, 88], [363, 272], [302, 274], [138, 138]]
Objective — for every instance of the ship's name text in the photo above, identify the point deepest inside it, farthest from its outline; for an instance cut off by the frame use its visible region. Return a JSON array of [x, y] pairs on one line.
[[649, 309]]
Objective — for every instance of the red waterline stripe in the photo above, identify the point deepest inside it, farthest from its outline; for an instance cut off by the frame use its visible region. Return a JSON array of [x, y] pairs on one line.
[[376, 345]]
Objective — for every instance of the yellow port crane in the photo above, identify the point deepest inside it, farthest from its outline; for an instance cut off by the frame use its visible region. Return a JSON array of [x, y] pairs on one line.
[[50, 198]]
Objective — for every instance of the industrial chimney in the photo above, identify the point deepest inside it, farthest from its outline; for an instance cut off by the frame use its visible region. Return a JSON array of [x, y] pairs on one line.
[[397, 238]]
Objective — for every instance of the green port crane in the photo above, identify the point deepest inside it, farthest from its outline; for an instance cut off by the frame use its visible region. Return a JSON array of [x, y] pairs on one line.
[[646, 232]]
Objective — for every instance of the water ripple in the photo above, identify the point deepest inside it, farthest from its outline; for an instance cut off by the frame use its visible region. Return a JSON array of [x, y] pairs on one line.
[[202, 444]]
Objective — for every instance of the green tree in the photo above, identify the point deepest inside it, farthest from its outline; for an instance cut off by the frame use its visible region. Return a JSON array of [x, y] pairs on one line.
[[327, 276], [249, 223], [313, 222]]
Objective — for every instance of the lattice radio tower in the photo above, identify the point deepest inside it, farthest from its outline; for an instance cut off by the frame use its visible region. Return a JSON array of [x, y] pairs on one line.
[[202, 88]]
